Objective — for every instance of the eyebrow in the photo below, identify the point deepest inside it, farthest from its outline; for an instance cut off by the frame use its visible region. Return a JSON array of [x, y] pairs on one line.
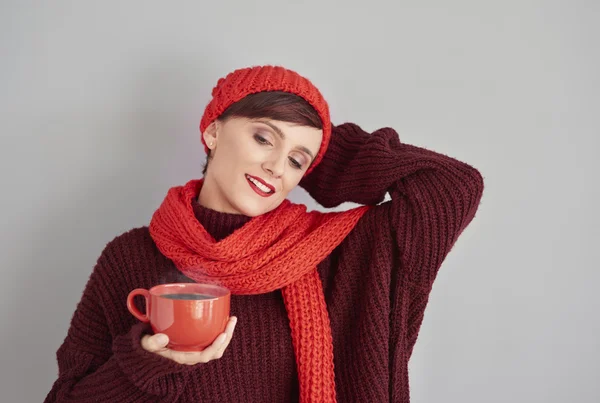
[[282, 135]]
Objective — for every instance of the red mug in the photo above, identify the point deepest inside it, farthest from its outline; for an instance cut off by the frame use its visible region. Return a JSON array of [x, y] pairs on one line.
[[192, 315]]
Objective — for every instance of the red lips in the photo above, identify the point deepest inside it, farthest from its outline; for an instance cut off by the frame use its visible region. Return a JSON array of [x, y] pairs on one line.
[[262, 182]]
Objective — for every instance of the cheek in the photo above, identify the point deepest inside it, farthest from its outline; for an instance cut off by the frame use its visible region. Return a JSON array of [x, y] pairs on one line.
[[235, 156], [291, 182]]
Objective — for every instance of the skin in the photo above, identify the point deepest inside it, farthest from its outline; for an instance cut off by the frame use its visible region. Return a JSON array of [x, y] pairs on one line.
[[157, 344], [279, 154]]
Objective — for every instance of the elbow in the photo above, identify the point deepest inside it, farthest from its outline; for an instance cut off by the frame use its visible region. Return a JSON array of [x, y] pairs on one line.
[[473, 185]]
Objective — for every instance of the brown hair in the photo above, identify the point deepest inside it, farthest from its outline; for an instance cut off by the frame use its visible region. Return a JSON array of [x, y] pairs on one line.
[[275, 105]]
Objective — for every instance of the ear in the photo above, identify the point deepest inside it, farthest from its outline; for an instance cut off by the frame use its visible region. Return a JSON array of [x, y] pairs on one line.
[[210, 135]]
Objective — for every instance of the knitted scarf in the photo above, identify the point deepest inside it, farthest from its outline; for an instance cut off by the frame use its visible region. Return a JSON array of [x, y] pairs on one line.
[[277, 250]]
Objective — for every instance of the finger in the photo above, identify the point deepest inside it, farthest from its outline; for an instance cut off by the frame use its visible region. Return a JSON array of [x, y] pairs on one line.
[[155, 343], [210, 352], [220, 344], [197, 357], [229, 331], [231, 325], [214, 351], [185, 357]]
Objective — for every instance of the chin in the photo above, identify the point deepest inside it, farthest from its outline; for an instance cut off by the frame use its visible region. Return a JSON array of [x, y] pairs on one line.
[[250, 209]]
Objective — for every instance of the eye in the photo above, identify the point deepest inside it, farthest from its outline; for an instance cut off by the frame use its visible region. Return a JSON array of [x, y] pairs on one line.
[[261, 140], [295, 163]]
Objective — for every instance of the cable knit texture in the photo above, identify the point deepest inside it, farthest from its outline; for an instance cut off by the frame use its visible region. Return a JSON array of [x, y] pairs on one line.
[[277, 250], [250, 80], [376, 284]]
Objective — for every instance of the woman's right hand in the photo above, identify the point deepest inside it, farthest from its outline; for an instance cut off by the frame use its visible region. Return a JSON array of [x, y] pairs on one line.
[[157, 344]]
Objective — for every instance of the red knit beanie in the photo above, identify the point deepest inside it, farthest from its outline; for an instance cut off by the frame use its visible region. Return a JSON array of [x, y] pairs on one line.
[[242, 82]]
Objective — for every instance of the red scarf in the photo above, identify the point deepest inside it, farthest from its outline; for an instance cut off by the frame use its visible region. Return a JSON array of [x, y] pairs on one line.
[[277, 250]]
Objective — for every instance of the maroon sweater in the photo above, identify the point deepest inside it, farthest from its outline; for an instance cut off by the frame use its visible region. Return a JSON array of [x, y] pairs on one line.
[[376, 283]]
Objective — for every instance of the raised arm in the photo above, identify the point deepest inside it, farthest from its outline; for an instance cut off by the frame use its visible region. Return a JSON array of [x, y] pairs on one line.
[[434, 197]]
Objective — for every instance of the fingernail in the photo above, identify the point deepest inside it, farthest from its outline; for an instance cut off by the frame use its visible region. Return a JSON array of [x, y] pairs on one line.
[[223, 338], [162, 339], [234, 319]]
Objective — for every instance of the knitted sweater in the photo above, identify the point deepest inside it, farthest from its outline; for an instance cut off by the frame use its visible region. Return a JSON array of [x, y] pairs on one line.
[[376, 283]]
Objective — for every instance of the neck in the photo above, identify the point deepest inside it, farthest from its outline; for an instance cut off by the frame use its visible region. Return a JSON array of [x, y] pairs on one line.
[[209, 198], [219, 225]]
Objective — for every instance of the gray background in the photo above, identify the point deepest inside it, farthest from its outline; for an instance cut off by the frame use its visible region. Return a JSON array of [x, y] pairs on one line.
[[100, 104]]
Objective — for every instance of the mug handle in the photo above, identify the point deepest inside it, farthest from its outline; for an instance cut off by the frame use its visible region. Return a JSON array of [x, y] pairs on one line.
[[131, 305]]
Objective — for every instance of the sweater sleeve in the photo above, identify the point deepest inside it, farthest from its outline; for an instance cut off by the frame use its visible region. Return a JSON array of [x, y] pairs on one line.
[[433, 197], [95, 366]]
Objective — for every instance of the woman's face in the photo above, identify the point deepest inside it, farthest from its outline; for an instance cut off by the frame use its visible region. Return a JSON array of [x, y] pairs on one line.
[[255, 163]]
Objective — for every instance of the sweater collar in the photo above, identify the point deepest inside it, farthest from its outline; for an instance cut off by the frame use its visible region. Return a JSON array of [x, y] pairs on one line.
[[218, 225]]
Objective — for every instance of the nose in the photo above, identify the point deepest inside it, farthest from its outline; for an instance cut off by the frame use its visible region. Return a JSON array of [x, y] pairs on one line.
[[275, 165]]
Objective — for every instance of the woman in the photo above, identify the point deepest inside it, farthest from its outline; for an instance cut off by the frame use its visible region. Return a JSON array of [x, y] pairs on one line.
[[329, 305]]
